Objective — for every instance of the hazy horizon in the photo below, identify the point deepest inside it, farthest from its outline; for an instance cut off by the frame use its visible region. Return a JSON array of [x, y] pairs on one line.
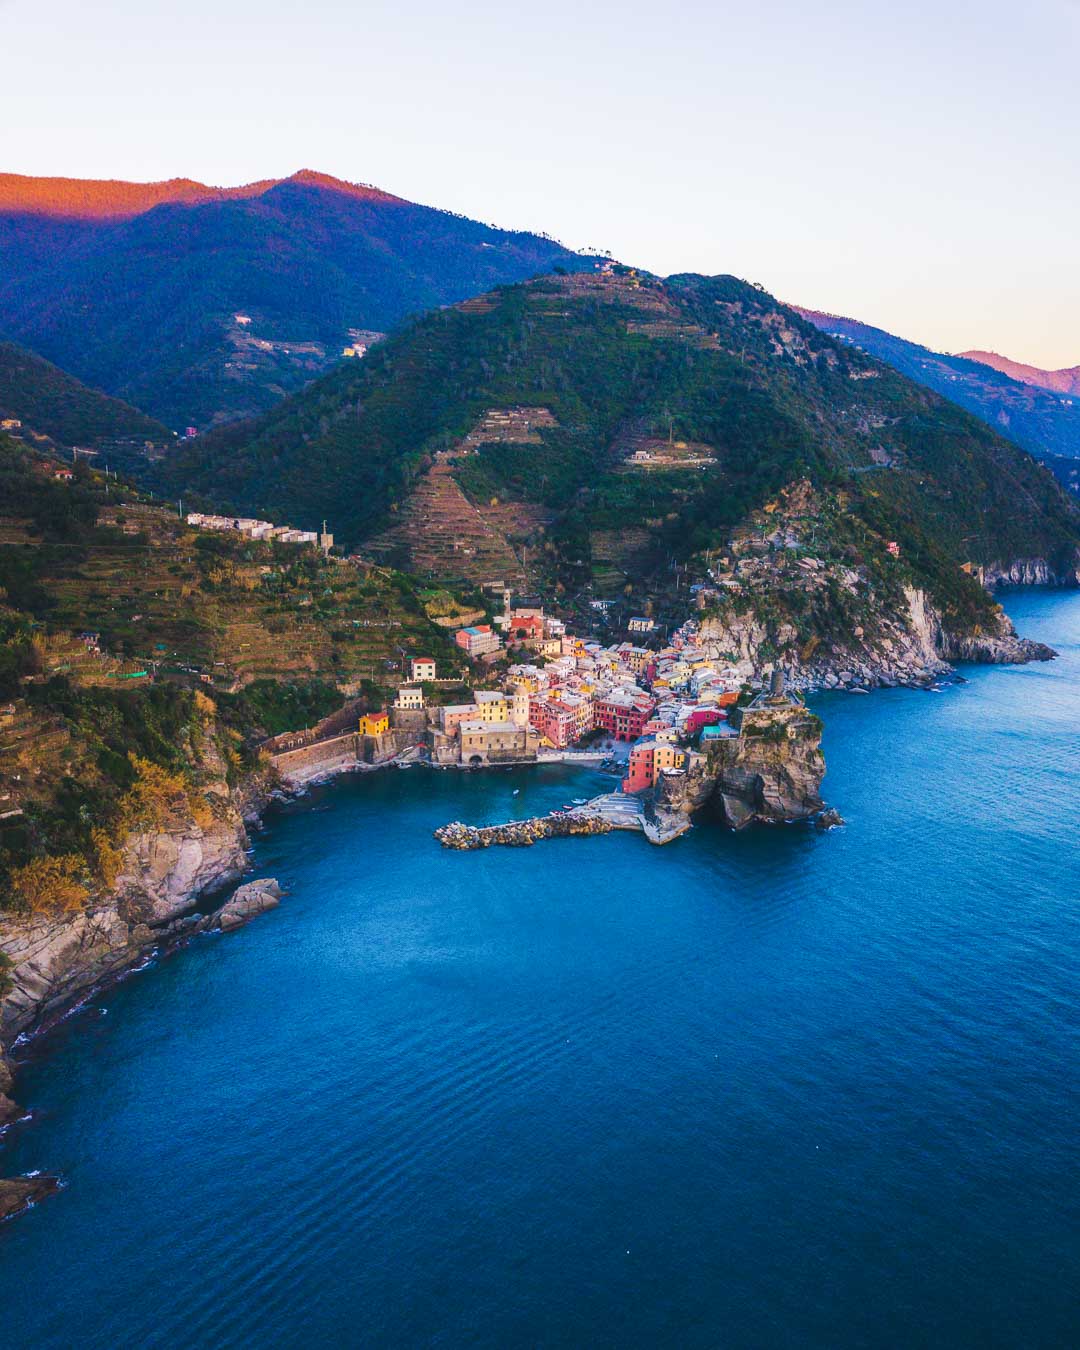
[[903, 169]]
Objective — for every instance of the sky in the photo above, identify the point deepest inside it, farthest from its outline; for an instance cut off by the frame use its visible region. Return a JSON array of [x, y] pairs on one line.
[[910, 164]]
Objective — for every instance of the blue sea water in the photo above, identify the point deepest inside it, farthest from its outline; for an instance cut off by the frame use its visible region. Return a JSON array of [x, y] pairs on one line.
[[779, 1089]]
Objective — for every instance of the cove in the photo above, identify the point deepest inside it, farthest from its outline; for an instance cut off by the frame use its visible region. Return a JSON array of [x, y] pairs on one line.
[[762, 1089]]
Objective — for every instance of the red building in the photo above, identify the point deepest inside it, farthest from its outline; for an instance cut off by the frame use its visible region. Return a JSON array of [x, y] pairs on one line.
[[524, 627], [624, 718], [648, 759]]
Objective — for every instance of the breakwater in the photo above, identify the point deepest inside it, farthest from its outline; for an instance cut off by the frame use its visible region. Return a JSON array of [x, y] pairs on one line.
[[520, 833]]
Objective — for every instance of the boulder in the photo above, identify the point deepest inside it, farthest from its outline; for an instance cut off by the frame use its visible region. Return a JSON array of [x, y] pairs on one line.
[[249, 900]]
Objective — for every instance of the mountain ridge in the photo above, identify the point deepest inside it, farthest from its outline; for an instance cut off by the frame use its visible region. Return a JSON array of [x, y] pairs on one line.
[[1032, 416], [121, 199], [210, 304], [1065, 380]]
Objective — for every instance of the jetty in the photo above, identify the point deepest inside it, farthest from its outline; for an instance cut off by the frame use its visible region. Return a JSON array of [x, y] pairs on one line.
[[520, 833], [602, 815]]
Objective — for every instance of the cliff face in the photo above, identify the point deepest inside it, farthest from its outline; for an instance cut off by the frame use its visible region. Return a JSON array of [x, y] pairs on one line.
[[769, 774], [1029, 572], [905, 645], [56, 960]]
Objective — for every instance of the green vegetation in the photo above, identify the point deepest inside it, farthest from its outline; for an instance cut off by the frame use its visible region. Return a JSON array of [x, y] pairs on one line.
[[704, 360], [270, 707], [51, 402], [140, 659]]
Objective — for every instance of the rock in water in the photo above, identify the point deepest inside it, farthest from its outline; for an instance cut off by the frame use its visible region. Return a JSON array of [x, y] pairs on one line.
[[255, 897], [19, 1193]]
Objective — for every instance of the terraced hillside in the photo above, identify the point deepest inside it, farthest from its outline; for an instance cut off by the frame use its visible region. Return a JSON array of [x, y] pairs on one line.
[[124, 632], [676, 409]]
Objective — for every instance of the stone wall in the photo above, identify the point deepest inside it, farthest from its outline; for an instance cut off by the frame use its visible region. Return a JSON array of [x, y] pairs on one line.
[[335, 753]]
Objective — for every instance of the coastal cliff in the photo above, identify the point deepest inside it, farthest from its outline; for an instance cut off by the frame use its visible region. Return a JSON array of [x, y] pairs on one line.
[[770, 773], [56, 959], [893, 641]]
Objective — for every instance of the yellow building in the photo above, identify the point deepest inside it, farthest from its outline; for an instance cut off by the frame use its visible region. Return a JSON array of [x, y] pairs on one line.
[[491, 706], [374, 723]]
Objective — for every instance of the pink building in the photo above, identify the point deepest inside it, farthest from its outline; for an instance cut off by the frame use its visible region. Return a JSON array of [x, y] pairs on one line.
[[702, 717]]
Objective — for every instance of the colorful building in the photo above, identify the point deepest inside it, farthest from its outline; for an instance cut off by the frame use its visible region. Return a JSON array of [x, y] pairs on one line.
[[491, 706], [479, 640], [648, 759], [375, 723], [422, 668], [553, 721], [701, 717], [623, 716], [526, 625], [453, 714]]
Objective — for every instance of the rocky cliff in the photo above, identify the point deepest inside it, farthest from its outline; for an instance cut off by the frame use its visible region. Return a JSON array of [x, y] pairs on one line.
[[902, 644], [160, 895], [1029, 572], [770, 773], [56, 960]]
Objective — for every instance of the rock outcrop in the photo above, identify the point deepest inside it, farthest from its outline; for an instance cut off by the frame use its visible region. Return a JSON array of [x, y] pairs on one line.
[[247, 901], [19, 1193], [909, 647], [56, 960], [1030, 572]]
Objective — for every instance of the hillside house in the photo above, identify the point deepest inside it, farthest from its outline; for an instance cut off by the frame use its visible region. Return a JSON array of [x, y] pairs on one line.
[[478, 640]]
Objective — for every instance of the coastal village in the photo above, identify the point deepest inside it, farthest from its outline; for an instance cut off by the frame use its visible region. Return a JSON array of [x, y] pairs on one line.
[[648, 716]]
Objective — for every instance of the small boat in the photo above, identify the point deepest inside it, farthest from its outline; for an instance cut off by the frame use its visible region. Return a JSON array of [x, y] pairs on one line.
[[515, 792], [580, 801]]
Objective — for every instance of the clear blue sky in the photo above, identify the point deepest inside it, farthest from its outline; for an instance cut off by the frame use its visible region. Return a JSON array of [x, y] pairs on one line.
[[909, 163]]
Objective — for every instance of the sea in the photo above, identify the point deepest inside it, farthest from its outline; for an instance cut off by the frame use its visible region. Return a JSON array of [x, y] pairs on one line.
[[777, 1089]]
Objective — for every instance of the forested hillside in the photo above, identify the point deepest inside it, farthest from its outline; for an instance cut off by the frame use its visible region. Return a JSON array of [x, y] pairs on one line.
[[200, 304], [48, 400], [1040, 420], [652, 418]]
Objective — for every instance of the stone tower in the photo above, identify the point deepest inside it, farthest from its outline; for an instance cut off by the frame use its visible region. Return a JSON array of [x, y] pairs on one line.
[[519, 706]]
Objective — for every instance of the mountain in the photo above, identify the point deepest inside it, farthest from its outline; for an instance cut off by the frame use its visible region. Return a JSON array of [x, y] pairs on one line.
[[594, 434], [54, 404], [1065, 381], [1043, 422], [202, 304]]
